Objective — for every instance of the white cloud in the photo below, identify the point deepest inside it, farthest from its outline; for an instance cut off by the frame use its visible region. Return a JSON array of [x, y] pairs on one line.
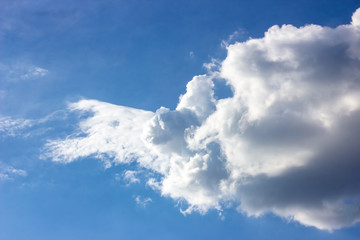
[[35, 72], [355, 19], [154, 184], [9, 172], [12, 126], [21, 72], [111, 132], [130, 177], [235, 36], [143, 202], [286, 142]]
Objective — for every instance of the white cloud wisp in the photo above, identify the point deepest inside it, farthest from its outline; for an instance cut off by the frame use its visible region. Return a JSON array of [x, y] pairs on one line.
[[21, 72], [9, 172], [286, 142]]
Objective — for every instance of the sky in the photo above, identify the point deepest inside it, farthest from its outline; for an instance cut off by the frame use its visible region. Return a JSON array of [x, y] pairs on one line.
[[138, 119]]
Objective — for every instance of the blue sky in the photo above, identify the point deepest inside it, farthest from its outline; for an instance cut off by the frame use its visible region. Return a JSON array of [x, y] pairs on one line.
[[261, 145]]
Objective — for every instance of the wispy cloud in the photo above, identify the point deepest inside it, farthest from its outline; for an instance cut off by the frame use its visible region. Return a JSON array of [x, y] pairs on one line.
[[233, 38], [142, 202], [14, 126], [130, 177], [286, 142], [10, 126], [9, 172], [21, 72], [34, 72]]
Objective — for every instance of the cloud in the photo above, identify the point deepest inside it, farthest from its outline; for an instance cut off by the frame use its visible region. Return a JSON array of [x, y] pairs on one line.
[[110, 132], [286, 141], [21, 72], [35, 72], [9, 172], [235, 36], [130, 177], [14, 126], [143, 202]]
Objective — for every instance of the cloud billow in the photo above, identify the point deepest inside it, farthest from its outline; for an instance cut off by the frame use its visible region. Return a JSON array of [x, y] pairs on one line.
[[286, 142]]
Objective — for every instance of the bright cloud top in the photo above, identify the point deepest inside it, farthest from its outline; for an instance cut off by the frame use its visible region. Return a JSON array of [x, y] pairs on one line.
[[286, 142]]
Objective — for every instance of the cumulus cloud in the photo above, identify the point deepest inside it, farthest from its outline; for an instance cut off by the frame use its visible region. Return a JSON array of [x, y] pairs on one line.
[[286, 141]]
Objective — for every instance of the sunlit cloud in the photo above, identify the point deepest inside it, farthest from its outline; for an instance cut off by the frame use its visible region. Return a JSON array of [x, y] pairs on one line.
[[286, 141]]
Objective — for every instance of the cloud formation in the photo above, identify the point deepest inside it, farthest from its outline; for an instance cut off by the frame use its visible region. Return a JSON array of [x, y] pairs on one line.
[[142, 202], [11, 127], [130, 177], [21, 72], [286, 142], [9, 172]]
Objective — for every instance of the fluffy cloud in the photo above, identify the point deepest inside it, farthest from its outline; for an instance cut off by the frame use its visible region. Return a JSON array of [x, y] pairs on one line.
[[110, 132], [286, 142]]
